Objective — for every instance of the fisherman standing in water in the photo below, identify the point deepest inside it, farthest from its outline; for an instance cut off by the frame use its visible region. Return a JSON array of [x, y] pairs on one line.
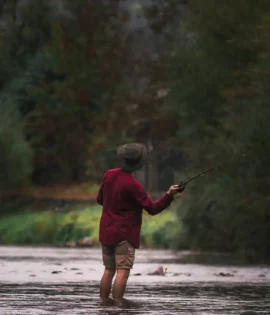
[[123, 199]]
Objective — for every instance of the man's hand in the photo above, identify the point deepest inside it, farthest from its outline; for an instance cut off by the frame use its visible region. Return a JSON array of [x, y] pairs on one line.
[[181, 188], [174, 189]]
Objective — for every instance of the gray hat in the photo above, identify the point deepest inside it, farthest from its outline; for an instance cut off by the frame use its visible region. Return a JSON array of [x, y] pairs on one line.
[[133, 156]]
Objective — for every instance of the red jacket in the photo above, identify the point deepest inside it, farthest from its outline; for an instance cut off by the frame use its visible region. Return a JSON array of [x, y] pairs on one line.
[[123, 199]]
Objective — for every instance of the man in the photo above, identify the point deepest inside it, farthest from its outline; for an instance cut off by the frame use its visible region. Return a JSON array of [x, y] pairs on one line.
[[123, 199]]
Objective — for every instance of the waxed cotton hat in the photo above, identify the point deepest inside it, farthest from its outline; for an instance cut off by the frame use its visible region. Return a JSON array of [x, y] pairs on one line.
[[132, 155]]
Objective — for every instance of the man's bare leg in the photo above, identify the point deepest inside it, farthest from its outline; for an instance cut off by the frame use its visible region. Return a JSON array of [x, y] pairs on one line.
[[106, 284], [120, 284]]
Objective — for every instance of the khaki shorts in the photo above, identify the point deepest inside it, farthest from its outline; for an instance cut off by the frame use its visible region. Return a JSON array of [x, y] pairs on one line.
[[120, 256]]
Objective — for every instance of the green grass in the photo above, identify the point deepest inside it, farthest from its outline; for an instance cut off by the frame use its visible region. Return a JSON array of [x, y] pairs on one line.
[[48, 227], [90, 188]]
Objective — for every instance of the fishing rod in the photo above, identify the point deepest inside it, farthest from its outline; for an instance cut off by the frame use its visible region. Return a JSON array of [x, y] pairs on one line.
[[184, 183]]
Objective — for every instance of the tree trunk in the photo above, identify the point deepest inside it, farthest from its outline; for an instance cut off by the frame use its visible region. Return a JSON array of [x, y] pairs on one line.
[[152, 182]]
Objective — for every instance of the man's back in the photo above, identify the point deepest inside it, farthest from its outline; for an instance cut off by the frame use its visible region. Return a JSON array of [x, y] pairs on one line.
[[117, 199], [123, 199], [121, 211]]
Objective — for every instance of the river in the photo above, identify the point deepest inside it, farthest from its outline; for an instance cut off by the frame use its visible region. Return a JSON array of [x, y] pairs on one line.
[[59, 281]]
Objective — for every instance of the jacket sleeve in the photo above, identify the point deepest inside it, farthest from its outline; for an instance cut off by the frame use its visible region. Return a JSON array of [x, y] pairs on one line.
[[100, 192], [140, 196]]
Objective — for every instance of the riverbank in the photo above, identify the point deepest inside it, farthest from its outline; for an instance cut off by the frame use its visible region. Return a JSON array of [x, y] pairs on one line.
[[72, 224]]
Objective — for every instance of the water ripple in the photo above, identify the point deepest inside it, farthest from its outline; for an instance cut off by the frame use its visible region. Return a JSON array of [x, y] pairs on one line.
[[72, 298]]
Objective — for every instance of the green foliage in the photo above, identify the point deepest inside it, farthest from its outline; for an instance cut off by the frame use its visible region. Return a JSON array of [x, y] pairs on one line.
[[49, 227], [222, 66], [161, 231], [16, 154], [20, 60], [62, 72], [77, 78], [22, 38]]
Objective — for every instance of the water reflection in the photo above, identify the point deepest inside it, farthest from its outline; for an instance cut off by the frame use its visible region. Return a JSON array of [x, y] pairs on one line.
[[65, 282], [38, 299]]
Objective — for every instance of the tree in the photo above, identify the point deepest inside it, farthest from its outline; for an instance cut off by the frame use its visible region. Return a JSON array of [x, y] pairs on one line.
[[16, 154], [77, 96], [214, 63]]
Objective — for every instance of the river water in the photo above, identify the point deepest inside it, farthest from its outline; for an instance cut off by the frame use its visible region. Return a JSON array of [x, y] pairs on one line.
[[57, 281]]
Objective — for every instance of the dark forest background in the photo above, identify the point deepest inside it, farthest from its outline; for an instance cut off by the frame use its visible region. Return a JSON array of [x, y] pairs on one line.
[[188, 78]]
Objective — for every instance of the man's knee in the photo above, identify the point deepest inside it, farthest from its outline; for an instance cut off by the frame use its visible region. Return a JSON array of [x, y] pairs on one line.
[[123, 273], [110, 271]]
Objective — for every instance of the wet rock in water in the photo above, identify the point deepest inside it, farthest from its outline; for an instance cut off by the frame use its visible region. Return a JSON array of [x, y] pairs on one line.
[[223, 274], [56, 272], [86, 242], [262, 276], [147, 289], [79, 273], [137, 274], [67, 244], [249, 313], [32, 276], [71, 244], [75, 269], [181, 274], [160, 271]]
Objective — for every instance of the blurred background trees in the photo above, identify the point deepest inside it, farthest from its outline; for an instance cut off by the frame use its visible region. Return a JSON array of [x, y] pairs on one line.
[[188, 78], [220, 50]]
